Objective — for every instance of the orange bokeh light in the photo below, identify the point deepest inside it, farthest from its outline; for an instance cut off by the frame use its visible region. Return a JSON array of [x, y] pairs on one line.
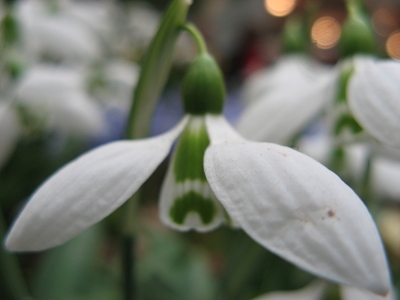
[[280, 8], [393, 45], [325, 32], [383, 21]]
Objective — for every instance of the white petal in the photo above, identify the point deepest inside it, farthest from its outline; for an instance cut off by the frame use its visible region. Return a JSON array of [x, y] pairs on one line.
[[373, 95], [87, 190], [313, 291], [298, 209], [283, 112]]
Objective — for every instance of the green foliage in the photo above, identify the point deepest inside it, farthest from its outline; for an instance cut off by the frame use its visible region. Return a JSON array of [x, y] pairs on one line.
[[174, 269]]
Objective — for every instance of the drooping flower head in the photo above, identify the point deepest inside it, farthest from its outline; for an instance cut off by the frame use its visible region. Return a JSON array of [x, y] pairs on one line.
[[284, 200]]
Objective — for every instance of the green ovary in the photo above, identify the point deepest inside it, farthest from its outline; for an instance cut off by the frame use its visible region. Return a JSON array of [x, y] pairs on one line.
[[193, 202]]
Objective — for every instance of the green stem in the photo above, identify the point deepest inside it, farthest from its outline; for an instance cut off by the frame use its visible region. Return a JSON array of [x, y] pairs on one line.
[[197, 36], [128, 267], [128, 233], [12, 283], [155, 70]]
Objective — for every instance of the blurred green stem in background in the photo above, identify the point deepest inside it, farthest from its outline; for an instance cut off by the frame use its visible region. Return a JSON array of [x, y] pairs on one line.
[[155, 70], [12, 284]]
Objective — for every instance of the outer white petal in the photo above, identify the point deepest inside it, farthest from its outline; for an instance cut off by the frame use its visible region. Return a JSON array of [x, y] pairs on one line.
[[295, 207], [87, 190], [10, 130], [350, 293], [373, 96], [313, 291], [283, 112]]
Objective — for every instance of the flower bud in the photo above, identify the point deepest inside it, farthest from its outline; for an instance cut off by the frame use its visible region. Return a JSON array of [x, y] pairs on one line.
[[357, 36]]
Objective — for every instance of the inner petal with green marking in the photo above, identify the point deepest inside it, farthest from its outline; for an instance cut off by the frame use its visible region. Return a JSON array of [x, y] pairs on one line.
[[187, 201]]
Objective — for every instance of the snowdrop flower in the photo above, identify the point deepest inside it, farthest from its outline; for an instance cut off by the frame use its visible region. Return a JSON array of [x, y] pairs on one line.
[[370, 97], [297, 91], [97, 15], [57, 94], [10, 130], [56, 35], [316, 291], [284, 200], [373, 97]]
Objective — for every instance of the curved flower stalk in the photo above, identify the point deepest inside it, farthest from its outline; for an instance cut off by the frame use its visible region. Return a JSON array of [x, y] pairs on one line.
[[373, 97], [316, 291], [295, 94], [56, 96], [283, 199]]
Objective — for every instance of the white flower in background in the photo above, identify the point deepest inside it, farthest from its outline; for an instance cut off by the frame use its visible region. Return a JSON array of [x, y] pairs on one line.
[[55, 35], [286, 99], [385, 171], [139, 24], [286, 71], [316, 291], [97, 15], [120, 78], [57, 95], [10, 131], [385, 178], [284, 107], [373, 97], [286, 201]]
